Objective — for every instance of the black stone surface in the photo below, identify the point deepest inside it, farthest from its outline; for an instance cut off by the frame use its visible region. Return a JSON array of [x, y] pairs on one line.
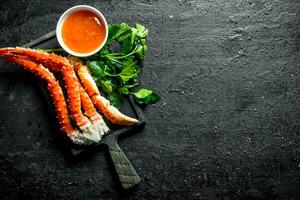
[[227, 126]]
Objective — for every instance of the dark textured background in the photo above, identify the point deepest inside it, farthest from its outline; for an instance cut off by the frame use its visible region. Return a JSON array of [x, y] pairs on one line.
[[227, 126]]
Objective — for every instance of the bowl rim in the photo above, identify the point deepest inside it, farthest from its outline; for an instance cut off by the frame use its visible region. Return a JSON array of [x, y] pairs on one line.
[[60, 24]]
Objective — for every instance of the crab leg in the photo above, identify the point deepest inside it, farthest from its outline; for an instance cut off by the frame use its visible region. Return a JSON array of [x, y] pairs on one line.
[[86, 102], [88, 106], [110, 112], [72, 86], [91, 112], [91, 134], [54, 89], [58, 63]]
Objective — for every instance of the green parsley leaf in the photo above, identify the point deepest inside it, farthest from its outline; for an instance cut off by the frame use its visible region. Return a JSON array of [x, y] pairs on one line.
[[97, 68], [141, 51], [129, 70], [146, 96], [142, 32], [106, 85], [115, 99], [123, 90], [115, 31], [115, 67]]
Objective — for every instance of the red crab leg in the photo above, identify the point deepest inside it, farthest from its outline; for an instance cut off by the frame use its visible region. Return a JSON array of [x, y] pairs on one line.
[[88, 106], [89, 135], [54, 60], [86, 102], [110, 112], [53, 87], [74, 97], [91, 111], [57, 63]]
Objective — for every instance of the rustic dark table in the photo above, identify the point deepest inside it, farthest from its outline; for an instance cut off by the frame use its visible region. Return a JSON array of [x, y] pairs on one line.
[[227, 126]]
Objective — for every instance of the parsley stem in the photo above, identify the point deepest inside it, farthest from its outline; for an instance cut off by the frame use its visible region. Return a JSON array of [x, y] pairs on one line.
[[50, 50], [112, 59], [112, 55]]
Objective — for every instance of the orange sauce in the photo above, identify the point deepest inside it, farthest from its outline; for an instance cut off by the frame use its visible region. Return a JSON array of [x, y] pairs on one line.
[[83, 31]]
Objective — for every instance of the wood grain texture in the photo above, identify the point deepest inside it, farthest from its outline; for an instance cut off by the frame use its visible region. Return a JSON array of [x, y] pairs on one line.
[[227, 126]]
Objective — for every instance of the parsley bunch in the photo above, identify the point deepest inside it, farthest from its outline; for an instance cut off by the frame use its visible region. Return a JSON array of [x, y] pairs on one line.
[[116, 70]]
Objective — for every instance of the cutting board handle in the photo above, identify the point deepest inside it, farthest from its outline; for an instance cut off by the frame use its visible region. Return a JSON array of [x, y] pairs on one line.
[[126, 173]]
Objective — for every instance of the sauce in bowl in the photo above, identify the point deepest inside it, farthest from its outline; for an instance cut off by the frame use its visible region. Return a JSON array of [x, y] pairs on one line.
[[83, 31]]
